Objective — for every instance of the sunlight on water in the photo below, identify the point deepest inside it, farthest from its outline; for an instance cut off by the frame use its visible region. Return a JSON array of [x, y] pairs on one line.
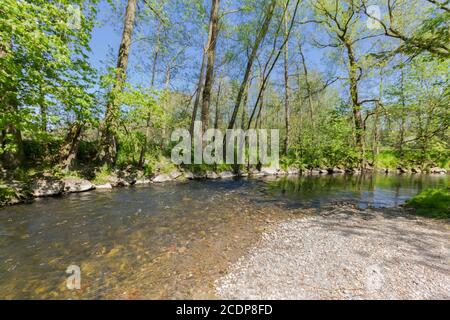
[[165, 241]]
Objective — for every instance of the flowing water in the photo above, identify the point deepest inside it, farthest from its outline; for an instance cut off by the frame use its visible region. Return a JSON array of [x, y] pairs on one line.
[[166, 241]]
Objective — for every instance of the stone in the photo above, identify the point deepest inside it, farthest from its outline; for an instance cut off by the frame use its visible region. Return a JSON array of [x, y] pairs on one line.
[[437, 170], [416, 170], [175, 174], [255, 173], [77, 185], [143, 181], [106, 186], [402, 170], [227, 175], [323, 171], [189, 175], [336, 170], [314, 172], [293, 171], [212, 175], [199, 176], [161, 178], [47, 187], [269, 171]]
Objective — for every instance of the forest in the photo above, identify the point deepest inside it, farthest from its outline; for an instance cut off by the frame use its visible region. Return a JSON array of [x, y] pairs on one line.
[[351, 84]]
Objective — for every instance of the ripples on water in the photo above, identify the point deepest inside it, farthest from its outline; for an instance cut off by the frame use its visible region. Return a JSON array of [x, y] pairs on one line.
[[164, 241]]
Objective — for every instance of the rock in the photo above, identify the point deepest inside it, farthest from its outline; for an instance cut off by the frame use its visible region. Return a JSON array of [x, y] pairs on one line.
[[189, 175], [77, 185], [293, 171], [336, 170], [323, 171], [314, 172], [175, 174], [105, 186], [47, 187], [269, 171], [402, 170], [212, 175], [227, 175], [143, 181], [384, 170], [161, 178], [199, 176], [281, 172], [437, 170], [255, 173], [416, 170], [242, 173]]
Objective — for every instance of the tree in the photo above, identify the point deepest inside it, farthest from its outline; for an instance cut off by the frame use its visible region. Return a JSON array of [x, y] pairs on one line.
[[210, 52], [108, 143]]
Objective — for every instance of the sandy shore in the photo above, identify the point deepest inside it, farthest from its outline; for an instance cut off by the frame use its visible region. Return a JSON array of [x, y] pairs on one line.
[[346, 253]]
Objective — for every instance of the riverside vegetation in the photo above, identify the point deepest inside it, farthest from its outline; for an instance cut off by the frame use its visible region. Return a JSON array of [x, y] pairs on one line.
[[348, 90]]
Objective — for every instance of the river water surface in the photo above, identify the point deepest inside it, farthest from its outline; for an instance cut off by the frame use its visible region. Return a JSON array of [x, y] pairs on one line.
[[166, 241]]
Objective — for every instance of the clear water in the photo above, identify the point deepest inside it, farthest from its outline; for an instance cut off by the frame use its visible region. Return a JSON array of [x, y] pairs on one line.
[[164, 241]]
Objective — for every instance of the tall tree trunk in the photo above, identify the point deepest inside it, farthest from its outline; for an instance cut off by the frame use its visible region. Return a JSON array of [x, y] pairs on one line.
[[201, 81], [308, 85], [356, 107], [259, 38], [286, 83], [280, 50], [211, 54], [156, 54], [108, 144], [402, 113], [244, 116], [11, 136], [69, 149], [217, 115], [376, 125]]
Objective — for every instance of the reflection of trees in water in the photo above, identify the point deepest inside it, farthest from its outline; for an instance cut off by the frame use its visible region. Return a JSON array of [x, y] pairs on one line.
[[307, 186]]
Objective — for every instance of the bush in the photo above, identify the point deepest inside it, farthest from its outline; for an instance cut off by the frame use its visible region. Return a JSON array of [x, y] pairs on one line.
[[433, 203]]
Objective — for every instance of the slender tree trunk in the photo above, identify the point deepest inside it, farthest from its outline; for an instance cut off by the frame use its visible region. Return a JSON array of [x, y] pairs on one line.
[[108, 145], [259, 38], [156, 54], [167, 81], [308, 85], [199, 92], [69, 149], [211, 54], [286, 83], [216, 119], [244, 116], [402, 114], [14, 155], [356, 107], [376, 125], [280, 50]]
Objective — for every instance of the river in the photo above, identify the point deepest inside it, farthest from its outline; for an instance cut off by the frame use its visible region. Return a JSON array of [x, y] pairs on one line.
[[168, 241]]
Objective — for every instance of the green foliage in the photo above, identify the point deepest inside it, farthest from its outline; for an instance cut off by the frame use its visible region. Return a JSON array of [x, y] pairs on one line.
[[434, 203]]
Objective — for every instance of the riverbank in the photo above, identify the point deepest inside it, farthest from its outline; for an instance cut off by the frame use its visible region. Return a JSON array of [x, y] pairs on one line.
[[346, 253], [46, 184]]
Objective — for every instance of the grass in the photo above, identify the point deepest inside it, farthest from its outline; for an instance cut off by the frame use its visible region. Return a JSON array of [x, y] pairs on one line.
[[433, 203]]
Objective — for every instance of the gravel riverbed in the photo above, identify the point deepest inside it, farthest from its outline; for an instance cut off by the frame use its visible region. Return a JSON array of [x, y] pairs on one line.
[[346, 253]]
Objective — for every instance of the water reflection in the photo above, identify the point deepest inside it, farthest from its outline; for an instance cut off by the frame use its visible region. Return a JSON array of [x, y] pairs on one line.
[[364, 190]]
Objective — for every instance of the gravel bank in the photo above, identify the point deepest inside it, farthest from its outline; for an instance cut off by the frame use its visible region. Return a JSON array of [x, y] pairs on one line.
[[346, 254]]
